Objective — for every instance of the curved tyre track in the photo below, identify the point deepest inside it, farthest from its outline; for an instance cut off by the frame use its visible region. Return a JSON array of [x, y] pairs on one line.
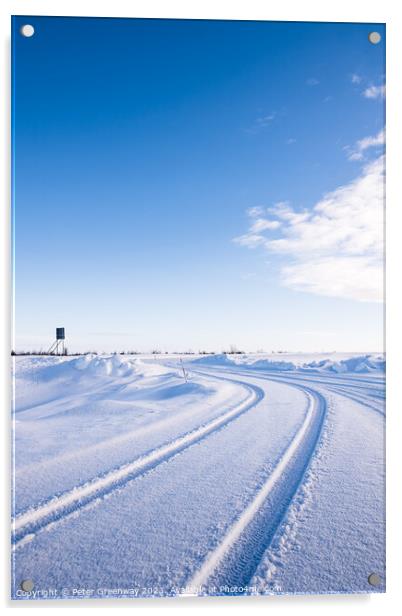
[[28, 523], [338, 388], [235, 559], [359, 398]]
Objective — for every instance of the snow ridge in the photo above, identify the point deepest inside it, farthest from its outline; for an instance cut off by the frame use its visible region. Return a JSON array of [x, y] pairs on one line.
[[360, 364]]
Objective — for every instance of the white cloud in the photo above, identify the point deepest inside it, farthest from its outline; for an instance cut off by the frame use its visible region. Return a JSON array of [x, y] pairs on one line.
[[374, 92], [263, 224], [251, 240], [266, 120], [253, 237], [283, 211], [358, 278], [355, 78], [254, 212], [357, 152], [335, 248], [261, 123]]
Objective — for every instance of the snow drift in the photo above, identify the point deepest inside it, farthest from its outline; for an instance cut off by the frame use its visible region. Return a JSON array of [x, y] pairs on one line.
[[103, 366], [214, 360], [358, 364]]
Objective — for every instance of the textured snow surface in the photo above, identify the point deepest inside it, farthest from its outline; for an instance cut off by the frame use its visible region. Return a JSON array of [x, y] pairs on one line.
[[254, 474]]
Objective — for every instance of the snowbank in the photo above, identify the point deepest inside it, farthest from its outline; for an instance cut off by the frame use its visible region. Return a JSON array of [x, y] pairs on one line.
[[358, 364], [266, 364], [214, 360], [361, 364], [103, 366]]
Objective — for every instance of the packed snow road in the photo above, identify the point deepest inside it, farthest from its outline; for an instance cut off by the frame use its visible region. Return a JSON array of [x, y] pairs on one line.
[[132, 480]]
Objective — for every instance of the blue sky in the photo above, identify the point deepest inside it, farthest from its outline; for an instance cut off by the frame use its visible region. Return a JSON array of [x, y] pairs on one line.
[[197, 184]]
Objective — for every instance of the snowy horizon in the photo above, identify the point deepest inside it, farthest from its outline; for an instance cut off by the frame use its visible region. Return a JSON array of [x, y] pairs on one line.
[[201, 351]]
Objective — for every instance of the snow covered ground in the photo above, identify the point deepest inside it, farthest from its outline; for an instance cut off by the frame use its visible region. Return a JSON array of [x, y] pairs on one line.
[[255, 474]]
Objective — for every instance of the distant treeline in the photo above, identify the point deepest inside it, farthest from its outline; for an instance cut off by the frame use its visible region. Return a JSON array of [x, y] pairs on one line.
[[232, 351]]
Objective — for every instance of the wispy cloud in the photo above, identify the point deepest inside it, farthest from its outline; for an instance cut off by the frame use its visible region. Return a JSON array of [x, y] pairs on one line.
[[355, 78], [358, 150], [251, 240], [261, 123], [263, 224], [258, 224], [335, 248], [286, 213], [374, 92], [253, 212], [312, 81], [266, 120], [290, 141]]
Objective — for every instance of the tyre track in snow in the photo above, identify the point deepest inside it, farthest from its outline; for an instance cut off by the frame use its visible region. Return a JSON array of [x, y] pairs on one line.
[[312, 378], [333, 386], [235, 559], [376, 389], [338, 388], [359, 398], [26, 524]]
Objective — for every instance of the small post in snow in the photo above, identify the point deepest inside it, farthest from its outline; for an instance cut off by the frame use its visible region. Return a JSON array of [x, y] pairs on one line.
[[184, 372]]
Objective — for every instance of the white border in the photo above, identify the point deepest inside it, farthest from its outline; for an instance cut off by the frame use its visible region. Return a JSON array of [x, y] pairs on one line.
[[290, 10]]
